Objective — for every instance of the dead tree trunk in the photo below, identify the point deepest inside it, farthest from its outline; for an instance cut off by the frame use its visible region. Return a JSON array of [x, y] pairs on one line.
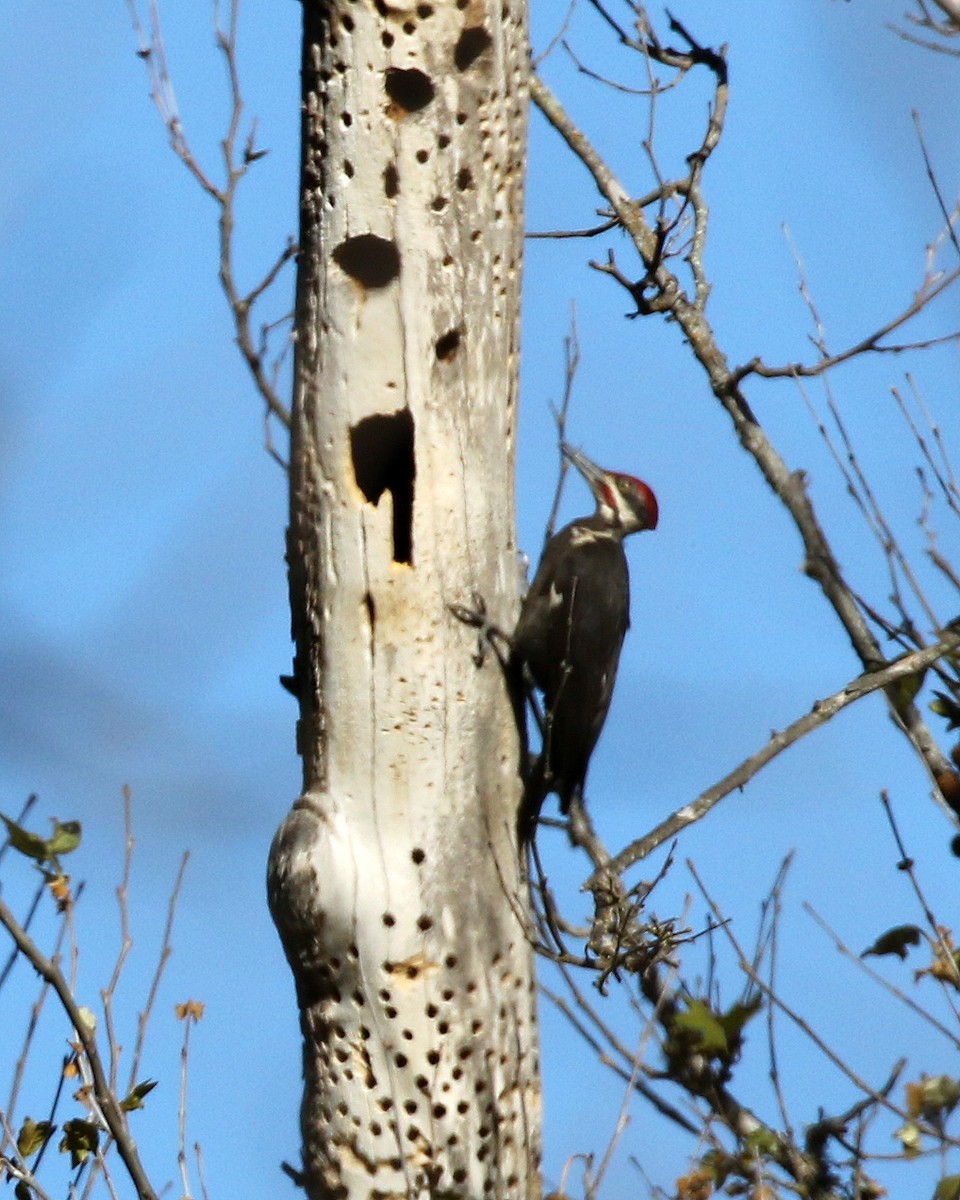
[[395, 881]]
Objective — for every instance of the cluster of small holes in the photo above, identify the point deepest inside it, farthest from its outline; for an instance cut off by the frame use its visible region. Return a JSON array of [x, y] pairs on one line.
[[421, 1120]]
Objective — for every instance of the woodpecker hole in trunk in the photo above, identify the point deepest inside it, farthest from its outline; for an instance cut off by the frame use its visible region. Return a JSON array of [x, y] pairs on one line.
[[383, 461], [409, 90], [371, 260], [470, 45]]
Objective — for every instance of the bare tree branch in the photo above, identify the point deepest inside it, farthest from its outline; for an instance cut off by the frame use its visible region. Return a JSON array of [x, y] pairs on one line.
[[104, 1096], [236, 163], [822, 712], [668, 296]]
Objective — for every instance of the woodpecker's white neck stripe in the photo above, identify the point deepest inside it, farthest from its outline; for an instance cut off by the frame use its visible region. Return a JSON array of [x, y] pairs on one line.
[[583, 536]]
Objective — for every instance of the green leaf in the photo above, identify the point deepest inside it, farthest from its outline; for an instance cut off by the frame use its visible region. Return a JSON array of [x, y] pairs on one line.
[[66, 837], [895, 941], [734, 1019], [135, 1099], [80, 1139], [948, 1188], [24, 842], [763, 1141], [701, 1024], [32, 1136], [940, 1094], [946, 706], [909, 1136], [905, 690]]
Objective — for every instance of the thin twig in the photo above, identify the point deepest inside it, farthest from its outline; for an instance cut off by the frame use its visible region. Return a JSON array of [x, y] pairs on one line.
[[876, 1095], [236, 163], [105, 1099], [166, 949], [867, 345], [660, 291], [877, 978]]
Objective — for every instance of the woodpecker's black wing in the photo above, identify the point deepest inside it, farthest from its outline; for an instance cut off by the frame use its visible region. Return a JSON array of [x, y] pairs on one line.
[[570, 632]]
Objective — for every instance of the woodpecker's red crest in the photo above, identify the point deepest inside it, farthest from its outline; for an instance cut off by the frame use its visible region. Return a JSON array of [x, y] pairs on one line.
[[622, 500]]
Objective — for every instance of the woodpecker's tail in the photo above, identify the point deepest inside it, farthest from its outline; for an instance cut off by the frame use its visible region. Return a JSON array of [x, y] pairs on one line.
[[535, 789]]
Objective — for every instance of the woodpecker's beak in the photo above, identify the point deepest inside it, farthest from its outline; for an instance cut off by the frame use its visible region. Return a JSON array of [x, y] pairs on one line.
[[594, 476]]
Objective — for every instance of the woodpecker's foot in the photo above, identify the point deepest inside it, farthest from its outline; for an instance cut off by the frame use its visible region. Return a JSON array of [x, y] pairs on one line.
[[488, 634]]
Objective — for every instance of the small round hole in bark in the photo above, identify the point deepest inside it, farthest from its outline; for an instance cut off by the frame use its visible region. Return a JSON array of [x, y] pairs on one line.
[[447, 345], [391, 181]]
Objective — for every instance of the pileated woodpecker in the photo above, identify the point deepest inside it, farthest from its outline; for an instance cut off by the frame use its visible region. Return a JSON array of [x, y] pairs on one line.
[[572, 626]]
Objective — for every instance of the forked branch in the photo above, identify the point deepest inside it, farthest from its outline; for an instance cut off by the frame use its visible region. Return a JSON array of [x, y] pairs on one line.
[[660, 290], [239, 153]]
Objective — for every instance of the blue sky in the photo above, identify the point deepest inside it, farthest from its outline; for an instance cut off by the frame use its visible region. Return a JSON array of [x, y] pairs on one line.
[[143, 616]]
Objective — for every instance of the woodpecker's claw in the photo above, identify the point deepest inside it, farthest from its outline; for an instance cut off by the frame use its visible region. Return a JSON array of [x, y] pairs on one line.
[[487, 633], [475, 617]]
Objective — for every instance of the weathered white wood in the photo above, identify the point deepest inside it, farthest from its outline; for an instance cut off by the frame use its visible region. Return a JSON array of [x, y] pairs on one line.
[[395, 880]]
